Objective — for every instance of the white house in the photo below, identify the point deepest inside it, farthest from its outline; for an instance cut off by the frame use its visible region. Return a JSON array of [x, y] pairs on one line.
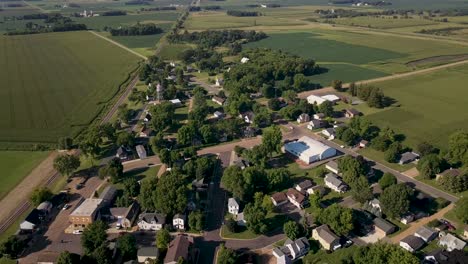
[[151, 221], [451, 242], [309, 150], [332, 166], [244, 60], [291, 251], [178, 222], [218, 114], [327, 239], [305, 187], [375, 204], [314, 99], [329, 133], [333, 182], [248, 117], [281, 257], [233, 206], [314, 124]]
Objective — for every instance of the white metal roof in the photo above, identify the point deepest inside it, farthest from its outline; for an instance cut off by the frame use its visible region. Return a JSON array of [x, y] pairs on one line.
[[87, 208], [307, 146], [331, 97], [315, 99]]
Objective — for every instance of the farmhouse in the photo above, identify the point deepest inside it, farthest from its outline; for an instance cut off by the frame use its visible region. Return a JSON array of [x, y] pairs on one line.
[[141, 151], [179, 248], [334, 182], [408, 157], [411, 243], [383, 227], [425, 233], [351, 112], [279, 198], [178, 222], [314, 124], [327, 239], [296, 198], [86, 213], [332, 166], [147, 253], [151, 221], [309, 150], [451, 242], [314, 99], [303, 118]]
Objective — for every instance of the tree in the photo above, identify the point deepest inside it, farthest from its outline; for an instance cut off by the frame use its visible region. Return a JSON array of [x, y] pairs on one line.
[[157, 142], [337, 85], [125, 138], [458, 148], [326, 108], [148, 188], [455, 184], [278, 178], [395, 200], [67, 258], [346, 135], [255, 215], [163, 238], [272, 140], [66, 164], [387, 180], [113, 169], [123, 113], [352, 89], [208, 133], [196, 221], [268, 91], [226, 255], [131, 187], [90, 142], [170, 196], [186, 134], [461, 210], [65, 143], [429, 166], [274, 104], [301, 83], [231, 225], [292, 230], [339, 219], [162, 115], [376, 98], [392, 154], [380, 143], [127, 246], [360, 190], [424, 148], [93, 237], [383, 253], [352, 168], [40, 195], [12, 246], [102, 255]]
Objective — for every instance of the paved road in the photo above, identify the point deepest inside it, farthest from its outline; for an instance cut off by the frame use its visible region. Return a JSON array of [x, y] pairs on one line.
[[141, 163]]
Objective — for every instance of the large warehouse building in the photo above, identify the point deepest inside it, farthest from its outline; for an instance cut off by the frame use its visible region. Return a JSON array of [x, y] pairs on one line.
[[309, 150]]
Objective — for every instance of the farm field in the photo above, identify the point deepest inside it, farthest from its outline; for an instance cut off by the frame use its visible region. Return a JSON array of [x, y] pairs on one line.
[[15, 165], [57, 83], [383, 22], [98, 23], [431, 105]]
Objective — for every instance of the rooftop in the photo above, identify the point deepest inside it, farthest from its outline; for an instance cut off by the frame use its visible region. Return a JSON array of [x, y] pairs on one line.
[[413, 241], [333, 179], [179, 247], [408, 157], [87, 208], [307, 146], [383, 225], [326, 234], [425, 232], [296, 195], [279, 197], [148, 252]]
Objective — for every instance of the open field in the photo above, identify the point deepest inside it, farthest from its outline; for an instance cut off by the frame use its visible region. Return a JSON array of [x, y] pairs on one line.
[[98, 23], [432, 106], [15, 165], [386, 22], [57, 83]]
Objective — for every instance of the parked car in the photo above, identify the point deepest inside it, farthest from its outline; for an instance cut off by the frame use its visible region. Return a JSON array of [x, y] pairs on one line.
[[77, 232], [65, 207]]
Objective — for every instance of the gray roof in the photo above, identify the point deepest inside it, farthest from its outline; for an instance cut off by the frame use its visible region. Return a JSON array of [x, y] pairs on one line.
[[384, 225], [278, 252], [330, 130], [181, 216], [316, 123], [232, 202], [108, 193], [408, 157], [156, 217], [305, 184], [333, 179], [425, 233], [326, 234], [148, 252], [332, 164], [413, 241]]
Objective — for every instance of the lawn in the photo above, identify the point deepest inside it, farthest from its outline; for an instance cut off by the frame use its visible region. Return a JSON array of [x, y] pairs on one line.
[[56, 84], [340, 256], [431, 106], [15, 165], [379, 157]]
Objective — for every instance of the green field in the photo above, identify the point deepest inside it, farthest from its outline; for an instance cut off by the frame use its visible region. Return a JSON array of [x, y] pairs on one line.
[[56, 84], [15, 165], [386, 22], [432, 105], [98, 23]]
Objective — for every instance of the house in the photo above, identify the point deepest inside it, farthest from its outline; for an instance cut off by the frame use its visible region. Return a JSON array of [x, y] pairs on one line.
[[178, 222], [147, 253], [407, 218], [303, 118], [297, 248], [305, 187], [329, 133], [250, 132], [451, 242], [107, 195], [279, 198], [176, 102], [45, 208], [218, 115], [244, 60], [412, 243], [179, 248], [383, 227], [375, 204], [151, 221], [309, 150], [449, 173], [319, 116], [86, 213], [147, 117], [408, 157], [145, 132], [248, 117], [281, 257], [48, 257], [427, 234], [141, 151], [296, 198], [219, 82], [318, 190], [363, 143], [233, 206], [334, 182], [351, 112], [32, 221], [314, 99], [332, 98], [442, 256], [218, 100], [327, 239], [332, 166], [121, 153], [125, 216], [241, 220], [314, 124]]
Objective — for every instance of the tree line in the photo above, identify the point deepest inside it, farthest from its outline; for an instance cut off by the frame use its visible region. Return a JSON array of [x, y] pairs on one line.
[[136, 30], [212, 38], [239, 13]]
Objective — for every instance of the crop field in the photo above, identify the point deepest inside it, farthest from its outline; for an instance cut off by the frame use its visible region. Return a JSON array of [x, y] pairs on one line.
[[344, 72], [98, 23], [55, 84], [432, 106], [386, 22], [15, 165], [98, 5]]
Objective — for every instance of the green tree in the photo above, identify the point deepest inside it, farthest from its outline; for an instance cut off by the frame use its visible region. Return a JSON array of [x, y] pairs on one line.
[[455, 184], [346, 135], [380, 143], [131, 187], [40, 195], [196, 220], [352, 168], [128, 246], [272, 140], [90, 142], [395, 200], [113, 169], [339, 219], [231, 225], [66, 257], [292, 230], [255, 215], [301, 83], [380, 253], [326, 108], [162, 116], [125, 138], [337, 85], [461, 209], [148, 189], [268, 91], [123, 113], [66, 164], [163, 238], [360, 190], [93, 237], [208, 133], [170, 196], [424, 148], [157, 142], [186, 134], [12, 246], [376, 98], [65, 143], [392, 154], [352, 89], [226, 255], [458, 148], [387, 180], [278, 178], [429, 166]]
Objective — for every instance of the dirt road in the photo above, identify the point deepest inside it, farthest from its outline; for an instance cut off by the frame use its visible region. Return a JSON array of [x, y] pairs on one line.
[[118, 44]]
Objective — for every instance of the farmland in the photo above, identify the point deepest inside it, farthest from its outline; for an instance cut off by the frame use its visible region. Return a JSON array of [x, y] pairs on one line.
[[57, 83], [431, 105]]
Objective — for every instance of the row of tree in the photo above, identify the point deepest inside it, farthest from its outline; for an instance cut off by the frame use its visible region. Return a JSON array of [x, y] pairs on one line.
[[136, 30], [212, 38]]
